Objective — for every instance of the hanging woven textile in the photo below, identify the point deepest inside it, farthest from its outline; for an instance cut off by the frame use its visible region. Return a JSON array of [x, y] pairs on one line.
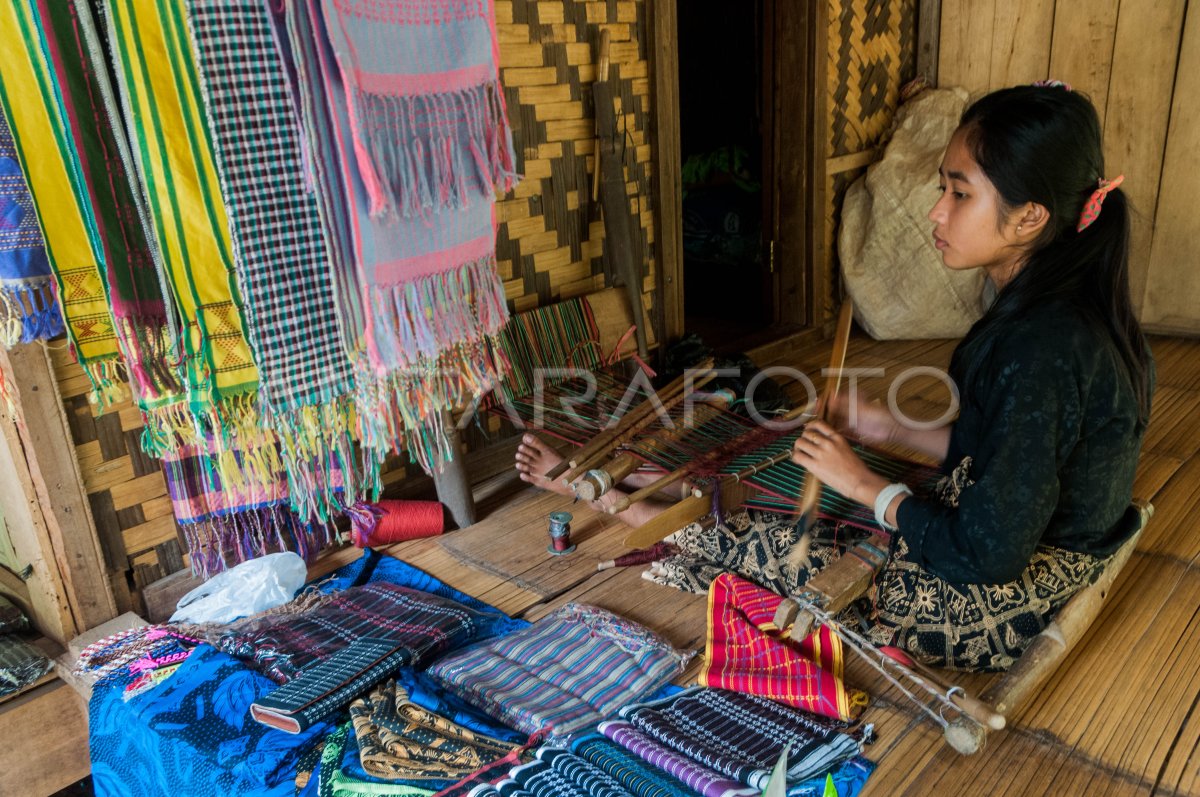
[[159, 86], [409, 107], [135, 291], [280, 252], [42, 138], [29, 311]]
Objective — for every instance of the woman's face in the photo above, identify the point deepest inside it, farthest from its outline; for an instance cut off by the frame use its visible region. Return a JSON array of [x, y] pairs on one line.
[[971, 229]]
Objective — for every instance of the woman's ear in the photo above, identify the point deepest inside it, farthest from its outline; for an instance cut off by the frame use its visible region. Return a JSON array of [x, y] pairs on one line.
[[1031, 219]]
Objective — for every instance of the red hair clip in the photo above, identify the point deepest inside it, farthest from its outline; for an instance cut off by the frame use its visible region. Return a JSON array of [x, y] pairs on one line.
[[1091, 208]]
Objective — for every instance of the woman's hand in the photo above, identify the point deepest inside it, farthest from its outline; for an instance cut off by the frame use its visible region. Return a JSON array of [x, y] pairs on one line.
[[824, 452], [868, 421]]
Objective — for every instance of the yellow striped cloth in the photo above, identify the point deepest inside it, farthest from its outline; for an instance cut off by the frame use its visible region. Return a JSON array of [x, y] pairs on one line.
[[158, 75], [40, 132]]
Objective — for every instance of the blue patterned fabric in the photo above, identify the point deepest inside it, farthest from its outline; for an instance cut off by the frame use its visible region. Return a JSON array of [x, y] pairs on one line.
[[193, 734]]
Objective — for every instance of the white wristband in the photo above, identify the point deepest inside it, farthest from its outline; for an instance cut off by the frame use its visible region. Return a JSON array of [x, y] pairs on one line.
[[884, 500]]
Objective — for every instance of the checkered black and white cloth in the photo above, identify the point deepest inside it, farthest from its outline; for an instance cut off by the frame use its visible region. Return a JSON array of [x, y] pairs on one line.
[[280, 248]]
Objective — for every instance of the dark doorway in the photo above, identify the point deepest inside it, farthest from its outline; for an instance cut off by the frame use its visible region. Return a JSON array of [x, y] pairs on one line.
[[724, 52]]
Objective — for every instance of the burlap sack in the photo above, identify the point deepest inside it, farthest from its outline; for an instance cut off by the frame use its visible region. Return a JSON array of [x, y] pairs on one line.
[[890, 266]]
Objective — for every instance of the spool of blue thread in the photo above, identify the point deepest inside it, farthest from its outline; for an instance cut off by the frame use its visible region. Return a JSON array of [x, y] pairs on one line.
[[560, 534]]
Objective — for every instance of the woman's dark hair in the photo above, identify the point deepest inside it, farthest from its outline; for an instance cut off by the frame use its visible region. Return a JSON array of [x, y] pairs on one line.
[[1042, 144]]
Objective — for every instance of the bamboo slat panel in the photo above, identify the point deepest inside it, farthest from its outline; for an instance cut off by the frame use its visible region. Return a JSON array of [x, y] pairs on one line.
[[550, 238], [1127, 56], [1172, 282]]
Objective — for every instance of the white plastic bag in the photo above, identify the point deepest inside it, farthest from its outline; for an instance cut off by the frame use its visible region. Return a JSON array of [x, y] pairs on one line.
[[250, 587]]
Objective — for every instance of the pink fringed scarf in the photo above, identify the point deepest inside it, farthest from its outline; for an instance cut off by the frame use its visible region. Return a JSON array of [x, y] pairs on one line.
[[411, 110], [427, 112]]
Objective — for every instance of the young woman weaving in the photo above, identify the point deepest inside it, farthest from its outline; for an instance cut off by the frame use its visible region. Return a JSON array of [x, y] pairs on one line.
[[1055, 383]]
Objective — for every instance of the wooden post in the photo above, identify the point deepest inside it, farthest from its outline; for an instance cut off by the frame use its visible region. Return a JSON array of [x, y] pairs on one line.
[[451, 480], [668, 167], [58, 515]]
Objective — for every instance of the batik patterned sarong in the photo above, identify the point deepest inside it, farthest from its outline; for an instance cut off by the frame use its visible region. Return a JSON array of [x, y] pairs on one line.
[[757, 546], [399, 740], [741, 736], [568, 671]]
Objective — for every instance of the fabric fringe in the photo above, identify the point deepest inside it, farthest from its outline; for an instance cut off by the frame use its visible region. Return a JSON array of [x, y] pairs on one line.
[[407, 408], [413, 323], [110, 381], [410, 166], [28, 312], [151, 355], [316, 445], [219, 543]]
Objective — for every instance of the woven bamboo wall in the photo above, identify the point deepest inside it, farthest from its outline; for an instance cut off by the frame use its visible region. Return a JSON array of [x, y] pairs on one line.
[[549, 245], [872, 53]]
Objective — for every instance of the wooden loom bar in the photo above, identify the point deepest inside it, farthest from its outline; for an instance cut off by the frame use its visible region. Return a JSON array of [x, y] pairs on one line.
[[649, 410], [841, 341], [603, 440], [650, 489]]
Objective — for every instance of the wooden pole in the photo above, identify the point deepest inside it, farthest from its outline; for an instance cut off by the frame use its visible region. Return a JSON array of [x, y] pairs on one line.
[[451, 481]]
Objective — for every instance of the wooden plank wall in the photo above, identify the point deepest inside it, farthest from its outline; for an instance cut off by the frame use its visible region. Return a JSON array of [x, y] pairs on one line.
[[872, 53], [549, 246], [1138, 61]]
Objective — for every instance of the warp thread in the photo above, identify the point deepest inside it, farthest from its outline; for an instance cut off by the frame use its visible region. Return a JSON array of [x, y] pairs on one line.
[[641, 556], [385, 522]]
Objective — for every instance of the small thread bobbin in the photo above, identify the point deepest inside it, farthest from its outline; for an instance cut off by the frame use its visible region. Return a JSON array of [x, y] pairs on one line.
[[560, 534]]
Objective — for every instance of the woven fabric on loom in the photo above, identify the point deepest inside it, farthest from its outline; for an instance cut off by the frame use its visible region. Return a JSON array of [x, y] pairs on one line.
[[42, 137], [747, 653], [280, 250], [418, 216], [566, 672], [30, 310], [280, 645], [545, 345], [132, 274], [399, 740], [741, 736]]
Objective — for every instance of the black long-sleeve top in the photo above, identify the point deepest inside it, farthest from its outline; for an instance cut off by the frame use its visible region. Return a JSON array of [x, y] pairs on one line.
[[1050, 422]]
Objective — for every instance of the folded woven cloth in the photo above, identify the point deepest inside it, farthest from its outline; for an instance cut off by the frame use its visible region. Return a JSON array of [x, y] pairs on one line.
[[741, 736], [287, 640], [564, 673], [399, 740]]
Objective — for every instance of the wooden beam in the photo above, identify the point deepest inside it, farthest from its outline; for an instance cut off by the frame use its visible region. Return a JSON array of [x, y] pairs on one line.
[[667, 182], [58, 484], [26, 528], [929, 22]]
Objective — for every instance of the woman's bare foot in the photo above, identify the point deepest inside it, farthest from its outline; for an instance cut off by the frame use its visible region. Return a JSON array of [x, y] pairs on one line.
[[534, 460]]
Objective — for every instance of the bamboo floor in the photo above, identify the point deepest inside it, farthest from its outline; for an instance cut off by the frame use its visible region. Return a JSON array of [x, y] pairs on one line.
[[1117, 718]]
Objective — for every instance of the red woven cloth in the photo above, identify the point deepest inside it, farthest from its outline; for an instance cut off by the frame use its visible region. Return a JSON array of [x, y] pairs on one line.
[[747, 653]]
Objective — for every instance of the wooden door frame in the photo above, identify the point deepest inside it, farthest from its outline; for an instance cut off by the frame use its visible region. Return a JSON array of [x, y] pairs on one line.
[[799, 188]]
